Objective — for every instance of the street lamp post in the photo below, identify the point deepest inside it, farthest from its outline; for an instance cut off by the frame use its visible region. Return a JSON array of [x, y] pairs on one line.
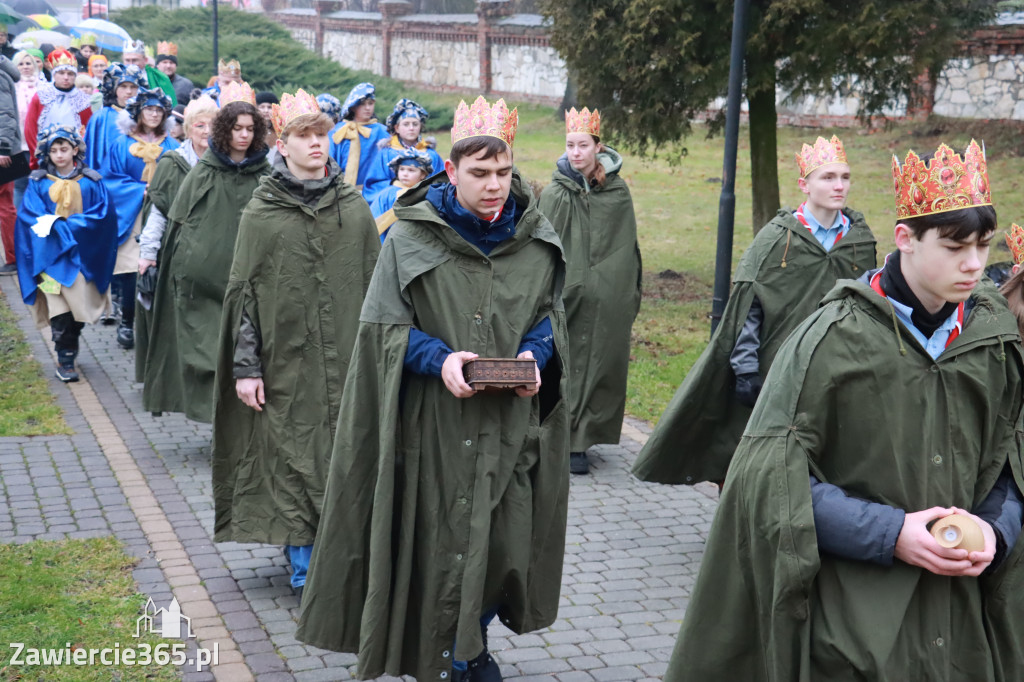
[[216, 57]]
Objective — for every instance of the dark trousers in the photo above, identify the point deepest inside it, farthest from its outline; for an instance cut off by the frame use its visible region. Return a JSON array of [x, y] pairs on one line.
[[65, 331], [123, 286]]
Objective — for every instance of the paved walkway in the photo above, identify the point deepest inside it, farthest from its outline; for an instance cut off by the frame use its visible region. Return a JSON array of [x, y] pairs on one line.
[[632, 549]]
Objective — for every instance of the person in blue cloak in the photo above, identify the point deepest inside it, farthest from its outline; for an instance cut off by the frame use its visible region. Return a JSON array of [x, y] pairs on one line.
[[410, 167], [66, 243], [405, 125], [120, 83], [127, 170], [354, 140]]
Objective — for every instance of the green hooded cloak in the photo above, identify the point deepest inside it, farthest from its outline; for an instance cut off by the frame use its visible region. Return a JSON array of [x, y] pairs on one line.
[[300, 273], [171, 170], [603, 283], [859, 403], [207, 209], [789, 272], [437, 507]]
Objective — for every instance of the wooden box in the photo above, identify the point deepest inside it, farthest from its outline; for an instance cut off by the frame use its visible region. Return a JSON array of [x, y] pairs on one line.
[[499, 374]]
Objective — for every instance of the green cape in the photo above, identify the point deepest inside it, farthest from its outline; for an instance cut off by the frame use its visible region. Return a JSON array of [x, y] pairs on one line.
[[300, 272], [171, 170], [603, 283], [864, 408], [207, 209], [436, 507], [789, 272]]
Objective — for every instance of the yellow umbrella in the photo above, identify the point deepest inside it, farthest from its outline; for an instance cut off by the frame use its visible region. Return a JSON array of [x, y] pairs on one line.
[[45, 20]]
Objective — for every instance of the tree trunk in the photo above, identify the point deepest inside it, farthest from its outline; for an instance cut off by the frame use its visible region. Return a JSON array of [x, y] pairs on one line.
[[764, 163], [569, 99]]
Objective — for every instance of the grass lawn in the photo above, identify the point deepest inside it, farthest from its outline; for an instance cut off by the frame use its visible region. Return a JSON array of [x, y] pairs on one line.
[[677, 217], [27, 408], [73, 594]]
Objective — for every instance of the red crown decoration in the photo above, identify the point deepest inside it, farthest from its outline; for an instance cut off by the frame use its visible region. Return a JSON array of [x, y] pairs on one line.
[[61, 59], [229, 68], [1015, 240], [585, 121], [292, 107], [948, 182], [484, 119], [237, 92], [823, 152], [166, 47]]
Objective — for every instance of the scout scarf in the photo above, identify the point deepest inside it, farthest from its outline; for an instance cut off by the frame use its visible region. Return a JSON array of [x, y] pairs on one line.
[[799, 215], [484, 234], [149, 152], [351, 131], [889, 282]]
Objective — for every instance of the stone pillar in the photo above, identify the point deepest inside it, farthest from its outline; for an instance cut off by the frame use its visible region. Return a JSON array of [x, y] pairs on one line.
[[390, 10], [321, 7], [922, 98], [487, 12]]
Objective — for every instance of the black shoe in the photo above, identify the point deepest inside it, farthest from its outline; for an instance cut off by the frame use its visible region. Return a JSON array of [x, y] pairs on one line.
[[125, 336], [66, 366], [578, 463], [8, 269], [484, 668]]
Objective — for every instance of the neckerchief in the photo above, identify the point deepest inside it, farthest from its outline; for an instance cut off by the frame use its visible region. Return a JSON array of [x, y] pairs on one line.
[[148, 152], [482, 233], [351, 131], [799, 215], [67, 194], [889, 281]]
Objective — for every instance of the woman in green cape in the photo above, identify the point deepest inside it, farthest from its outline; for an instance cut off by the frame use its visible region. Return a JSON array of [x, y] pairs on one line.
[[207, 210], [589, 205]]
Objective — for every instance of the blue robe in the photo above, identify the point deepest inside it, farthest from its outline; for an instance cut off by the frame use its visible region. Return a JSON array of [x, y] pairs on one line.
[[122, 174], [84, 242], [100, 133], [380, 174], [367, 149]]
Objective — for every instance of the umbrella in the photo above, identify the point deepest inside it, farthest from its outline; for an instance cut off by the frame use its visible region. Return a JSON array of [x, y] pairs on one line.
[[9, 15], [40, 37], [34, 7], [21, 26], [45, 20], [109, 35]]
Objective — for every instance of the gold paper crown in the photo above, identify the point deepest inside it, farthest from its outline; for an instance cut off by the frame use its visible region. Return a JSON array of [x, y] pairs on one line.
[[168, 48], [948, 182], [484, 119], [1015, 240], [237, 92], [61, 58], [88, 39], [291, 107], [585, 121], [823, 152], [232, 67]]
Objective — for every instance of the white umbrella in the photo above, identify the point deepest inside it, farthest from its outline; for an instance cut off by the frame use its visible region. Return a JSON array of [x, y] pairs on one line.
[[109, 35], [39, 37]]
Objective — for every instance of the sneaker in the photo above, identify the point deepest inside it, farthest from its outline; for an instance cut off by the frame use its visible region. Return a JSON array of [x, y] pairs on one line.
[[66, 366], [125, 336], [578, 463], [8, 269]]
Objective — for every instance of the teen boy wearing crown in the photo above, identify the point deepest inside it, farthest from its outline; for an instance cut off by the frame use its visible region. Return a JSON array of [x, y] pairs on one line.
[[445, 506], [792, 263], [304, 255], [898, 403]]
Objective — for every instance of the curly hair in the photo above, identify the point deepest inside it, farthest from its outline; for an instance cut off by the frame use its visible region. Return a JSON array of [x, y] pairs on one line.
[[225, 121]]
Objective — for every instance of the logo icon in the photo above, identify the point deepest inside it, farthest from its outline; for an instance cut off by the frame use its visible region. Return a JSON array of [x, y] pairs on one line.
[[171, 622]]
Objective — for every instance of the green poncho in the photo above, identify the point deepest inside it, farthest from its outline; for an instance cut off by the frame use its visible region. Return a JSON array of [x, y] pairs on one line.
[[789, 272], [171, 170], [207, 209], [439, 507], [603, 282], [866, 409], [300, 273]]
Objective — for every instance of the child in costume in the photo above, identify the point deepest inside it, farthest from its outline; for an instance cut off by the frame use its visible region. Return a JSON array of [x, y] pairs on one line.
[[66, 240], [127, 170], [792, 263], [448, 505], [120, 83], [896, 405], [405, 125], [57, 103], [589, 205], [410, 167], [354, 140]]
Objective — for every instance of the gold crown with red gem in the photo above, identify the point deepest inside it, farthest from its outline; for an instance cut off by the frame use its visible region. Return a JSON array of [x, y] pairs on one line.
[[291, 107], [947, 182], [585, 121], [237, 92], [823, 152], [1015, 240], [484, 119]]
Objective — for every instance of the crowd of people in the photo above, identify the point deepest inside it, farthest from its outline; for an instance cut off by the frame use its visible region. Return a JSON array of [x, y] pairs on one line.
[[316, 285]]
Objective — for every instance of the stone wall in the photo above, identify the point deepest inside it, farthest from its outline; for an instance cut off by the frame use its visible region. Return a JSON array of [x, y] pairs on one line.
[[528, 68], [435, 62]]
